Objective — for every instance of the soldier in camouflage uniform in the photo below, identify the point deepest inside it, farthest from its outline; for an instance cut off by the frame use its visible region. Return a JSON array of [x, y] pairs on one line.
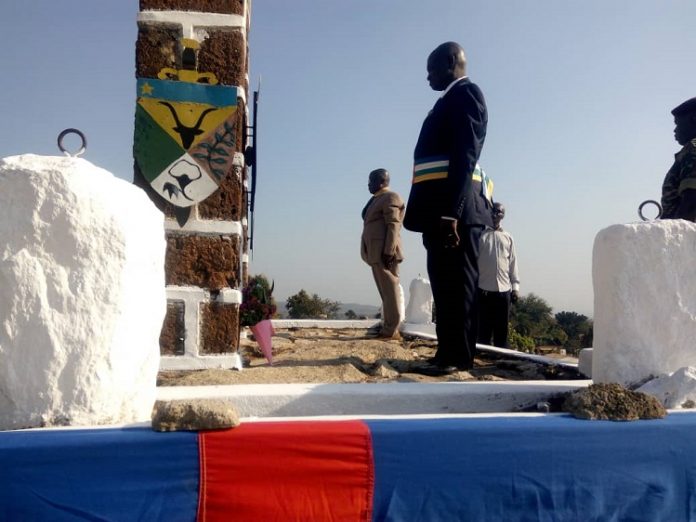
[[679, 187]]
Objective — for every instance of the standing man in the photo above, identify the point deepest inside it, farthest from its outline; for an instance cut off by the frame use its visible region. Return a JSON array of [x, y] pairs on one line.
[[679, 187], [448, 207], [381, 247], [499, 283]]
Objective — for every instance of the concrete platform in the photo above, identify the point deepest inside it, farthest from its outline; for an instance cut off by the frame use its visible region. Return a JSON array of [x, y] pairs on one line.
[[287, 400]]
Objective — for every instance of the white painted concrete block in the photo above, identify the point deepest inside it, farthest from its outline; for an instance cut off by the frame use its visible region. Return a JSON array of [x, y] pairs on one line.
[[585, 362], [81, 294], [644, 278]]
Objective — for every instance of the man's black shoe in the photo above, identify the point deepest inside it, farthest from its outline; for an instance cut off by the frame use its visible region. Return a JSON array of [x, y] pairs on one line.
[[434, 370], [434, 361]]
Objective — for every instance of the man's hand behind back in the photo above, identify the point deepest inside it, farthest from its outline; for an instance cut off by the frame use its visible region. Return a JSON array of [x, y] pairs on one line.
[[448, 233]]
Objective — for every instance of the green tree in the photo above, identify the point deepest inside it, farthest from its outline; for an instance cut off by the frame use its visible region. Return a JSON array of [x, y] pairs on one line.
[[578, 328], [531, 317], [303, 306], [519, 342], [350, 314], [532, 323]]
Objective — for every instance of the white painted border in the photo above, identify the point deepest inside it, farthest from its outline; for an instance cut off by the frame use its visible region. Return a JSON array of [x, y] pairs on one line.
[[360, 400], [193, 297], [325, 323], [205, 226], [190, 20], [199, 362], [230, 296]]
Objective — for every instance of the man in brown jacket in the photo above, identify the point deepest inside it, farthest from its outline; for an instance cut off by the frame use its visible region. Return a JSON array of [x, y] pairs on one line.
[[381, 247]]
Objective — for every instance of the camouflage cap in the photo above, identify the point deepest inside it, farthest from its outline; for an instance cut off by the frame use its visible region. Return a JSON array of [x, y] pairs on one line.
[[687, 107]]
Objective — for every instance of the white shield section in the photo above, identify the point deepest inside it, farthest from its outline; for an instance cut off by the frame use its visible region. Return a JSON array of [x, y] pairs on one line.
[[184, 182]]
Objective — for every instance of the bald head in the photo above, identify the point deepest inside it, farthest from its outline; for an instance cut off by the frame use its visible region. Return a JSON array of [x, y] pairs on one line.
[[379, 179], [445, 64]]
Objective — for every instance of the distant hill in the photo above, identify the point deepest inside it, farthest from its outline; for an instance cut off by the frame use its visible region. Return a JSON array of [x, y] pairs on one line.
[[360, 310]]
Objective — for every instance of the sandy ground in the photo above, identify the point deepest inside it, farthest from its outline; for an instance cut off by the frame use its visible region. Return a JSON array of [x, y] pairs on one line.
[[310, 355]]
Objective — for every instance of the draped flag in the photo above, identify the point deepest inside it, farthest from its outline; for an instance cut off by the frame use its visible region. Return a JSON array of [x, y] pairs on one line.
[[522, 467]]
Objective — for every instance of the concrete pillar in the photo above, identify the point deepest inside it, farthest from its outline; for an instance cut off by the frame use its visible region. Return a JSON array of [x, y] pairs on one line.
[[644, 279]]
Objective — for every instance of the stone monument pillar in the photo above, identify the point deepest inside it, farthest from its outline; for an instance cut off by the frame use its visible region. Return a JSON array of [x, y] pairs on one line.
[[644, 279], [190, 136]]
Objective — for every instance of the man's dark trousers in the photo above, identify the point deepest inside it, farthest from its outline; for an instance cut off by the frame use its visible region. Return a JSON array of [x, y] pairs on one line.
[[453, 276], [494, 314]]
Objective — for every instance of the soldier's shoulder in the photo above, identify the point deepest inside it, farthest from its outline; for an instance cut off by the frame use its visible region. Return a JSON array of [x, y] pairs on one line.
[[688, 154]]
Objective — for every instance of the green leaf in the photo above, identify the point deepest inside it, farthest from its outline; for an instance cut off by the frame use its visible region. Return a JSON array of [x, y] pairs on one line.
[[220, 151], [219, 161]]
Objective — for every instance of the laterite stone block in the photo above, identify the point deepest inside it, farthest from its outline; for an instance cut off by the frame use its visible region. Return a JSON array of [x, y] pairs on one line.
[[224, 54], [206, 6], [210, 262], [219, 328], [157, 47]]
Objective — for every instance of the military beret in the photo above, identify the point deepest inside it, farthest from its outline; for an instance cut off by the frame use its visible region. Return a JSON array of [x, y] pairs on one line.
[[687, 107]]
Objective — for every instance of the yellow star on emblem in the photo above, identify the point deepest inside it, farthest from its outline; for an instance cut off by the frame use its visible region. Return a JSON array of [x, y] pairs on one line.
[[147, 89]]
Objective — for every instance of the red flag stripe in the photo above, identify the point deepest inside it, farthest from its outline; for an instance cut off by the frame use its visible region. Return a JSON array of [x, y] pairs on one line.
[[314, 470]]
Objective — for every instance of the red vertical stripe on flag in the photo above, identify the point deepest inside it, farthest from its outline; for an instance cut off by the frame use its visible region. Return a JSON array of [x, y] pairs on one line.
[[295, 470]]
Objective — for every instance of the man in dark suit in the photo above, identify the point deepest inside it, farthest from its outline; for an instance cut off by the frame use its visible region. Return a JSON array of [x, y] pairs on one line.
[[448, 206], [380, 247]]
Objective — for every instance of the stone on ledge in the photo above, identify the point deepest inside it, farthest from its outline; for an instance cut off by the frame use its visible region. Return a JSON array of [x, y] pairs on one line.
[[194, 415], [612, 402]]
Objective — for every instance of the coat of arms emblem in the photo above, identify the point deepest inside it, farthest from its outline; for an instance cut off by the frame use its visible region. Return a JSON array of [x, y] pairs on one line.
[[184, 131]]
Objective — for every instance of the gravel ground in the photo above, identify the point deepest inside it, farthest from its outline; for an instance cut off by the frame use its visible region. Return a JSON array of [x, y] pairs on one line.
[[312, 355]]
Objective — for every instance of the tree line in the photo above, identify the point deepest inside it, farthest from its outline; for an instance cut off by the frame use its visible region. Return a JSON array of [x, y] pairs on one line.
[[532, 323]]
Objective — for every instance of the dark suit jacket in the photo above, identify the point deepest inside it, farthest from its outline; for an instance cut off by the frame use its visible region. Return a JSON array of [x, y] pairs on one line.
[[382, 219], [448, 148]]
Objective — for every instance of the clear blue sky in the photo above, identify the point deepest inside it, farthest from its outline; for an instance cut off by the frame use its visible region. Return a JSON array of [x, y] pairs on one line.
[[579, 94]]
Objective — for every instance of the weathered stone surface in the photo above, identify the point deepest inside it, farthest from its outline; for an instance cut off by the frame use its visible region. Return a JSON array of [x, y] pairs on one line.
[[644, 279], [206, 6], [224, 53], [210, 262], [677, 390], [612, 402], [194, 415], [219, 328], [157, 47], [82, 294]]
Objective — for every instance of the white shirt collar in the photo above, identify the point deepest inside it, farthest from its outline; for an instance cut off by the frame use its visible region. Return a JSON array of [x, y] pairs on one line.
[[451, 85]]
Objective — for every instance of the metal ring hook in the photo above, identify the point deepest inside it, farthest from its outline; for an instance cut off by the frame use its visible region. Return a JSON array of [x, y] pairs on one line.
[[647, 202], [72, 131]]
